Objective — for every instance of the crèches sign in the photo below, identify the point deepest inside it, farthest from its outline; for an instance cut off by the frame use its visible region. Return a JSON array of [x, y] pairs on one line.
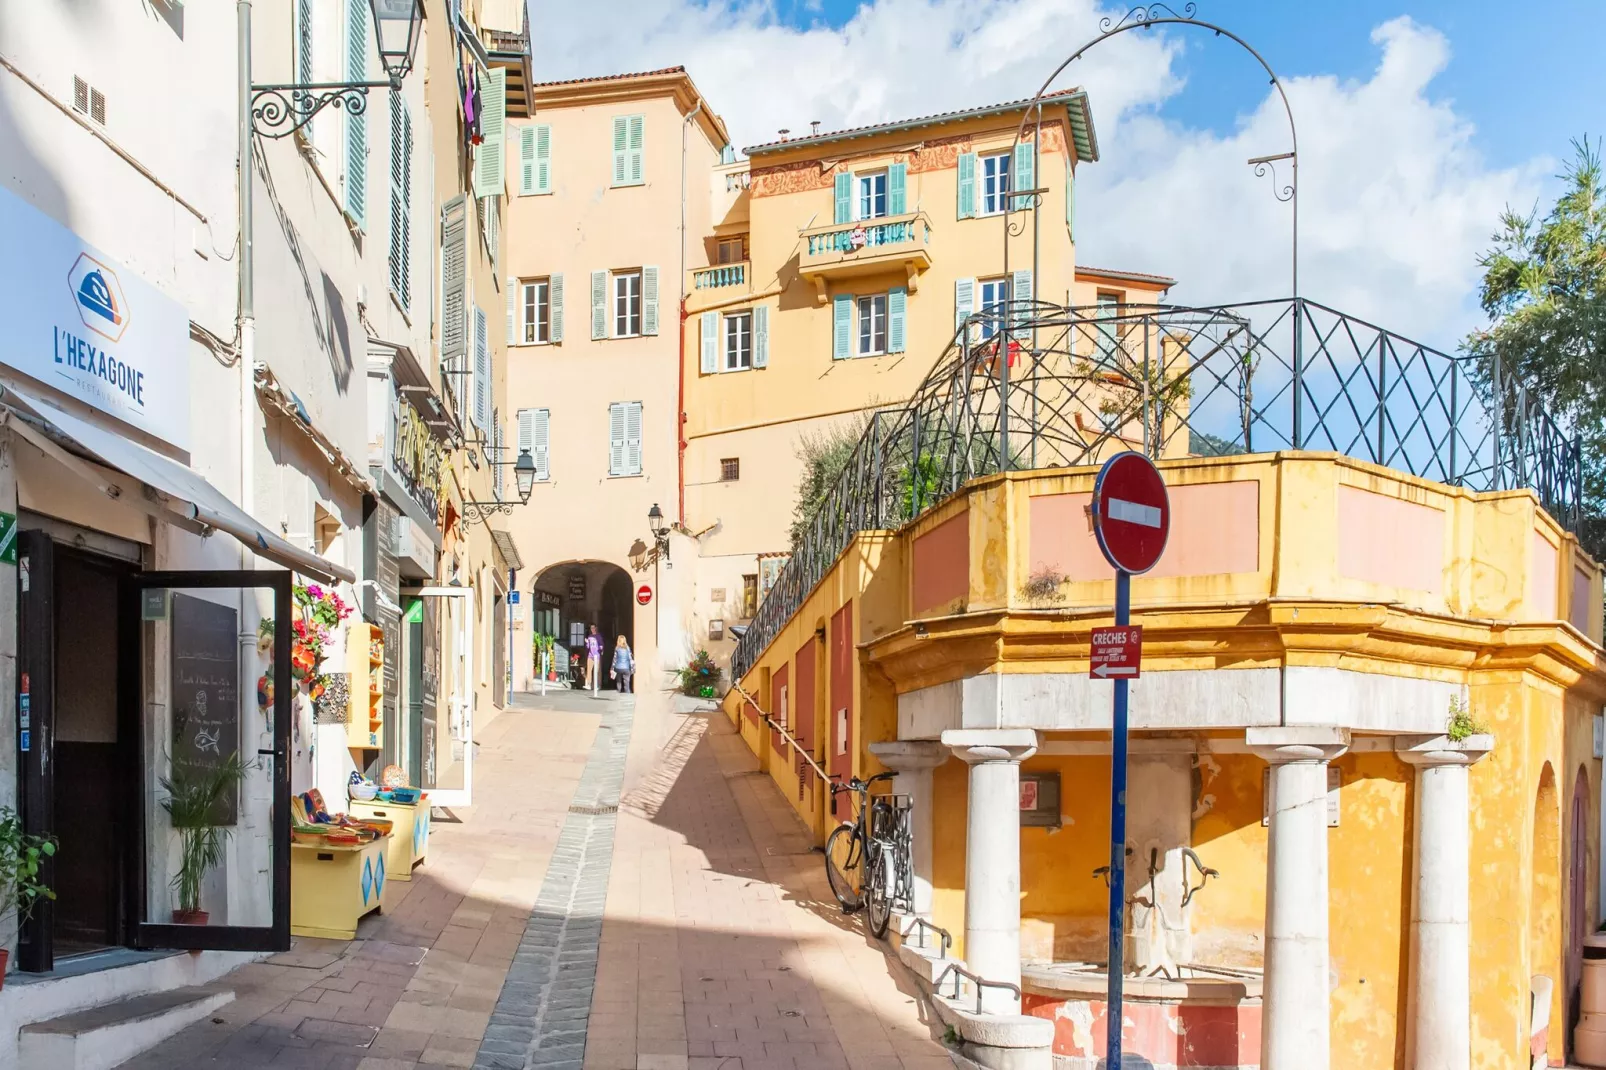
[[78, 321]]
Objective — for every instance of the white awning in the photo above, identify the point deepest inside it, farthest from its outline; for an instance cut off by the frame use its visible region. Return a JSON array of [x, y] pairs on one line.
[[176, 493]]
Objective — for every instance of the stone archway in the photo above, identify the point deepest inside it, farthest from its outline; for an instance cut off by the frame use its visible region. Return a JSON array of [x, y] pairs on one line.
[[574, 595]]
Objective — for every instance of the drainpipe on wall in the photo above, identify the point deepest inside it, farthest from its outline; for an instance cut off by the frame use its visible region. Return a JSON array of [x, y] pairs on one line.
[[680, 370]]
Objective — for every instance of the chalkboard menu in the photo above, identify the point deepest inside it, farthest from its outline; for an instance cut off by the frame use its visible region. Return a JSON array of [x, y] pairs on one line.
[[206, 688]]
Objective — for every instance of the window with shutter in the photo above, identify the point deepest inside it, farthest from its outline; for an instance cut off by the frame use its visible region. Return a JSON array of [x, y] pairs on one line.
[[401, 201], [1021, 295], [616, 439], [526, 160], [964, 300], [304, 68], [492, 221], [533, 424], [897, 302], [535, 311], [649, 300], [627, 309], [897, 180], [633, 438], [557, 307], [489, 178], [511, 291], [841, 326], [629, 143], [454, 262], [482, 370], [1025, 173], [710, 342], [967, 185], [543, 158], [498, 449], [638, 134], [357, 121], [842, 190], [599, 304], [621, 141]]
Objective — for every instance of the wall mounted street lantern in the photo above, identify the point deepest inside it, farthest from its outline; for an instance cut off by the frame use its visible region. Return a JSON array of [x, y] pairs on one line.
[[523, 479], [280, 110], [640, 555]]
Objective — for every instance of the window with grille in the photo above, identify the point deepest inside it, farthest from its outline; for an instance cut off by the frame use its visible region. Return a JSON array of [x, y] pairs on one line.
[[730, 469], [537, 311], [627, 304]]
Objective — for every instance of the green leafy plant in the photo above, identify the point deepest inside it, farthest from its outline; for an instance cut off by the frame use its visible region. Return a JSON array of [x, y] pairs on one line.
[[824, 455], [700, 677], [545, 644], [1462, 724], [195, 796], [21, 857], [920, 485]]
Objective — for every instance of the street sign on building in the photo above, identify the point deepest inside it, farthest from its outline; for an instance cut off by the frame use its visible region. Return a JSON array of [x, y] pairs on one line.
[[1116, 653], [1131, 513], [643, 594]]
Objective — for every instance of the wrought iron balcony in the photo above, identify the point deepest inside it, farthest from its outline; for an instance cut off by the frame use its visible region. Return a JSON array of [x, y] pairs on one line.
[[870, 246], [1079, 385]]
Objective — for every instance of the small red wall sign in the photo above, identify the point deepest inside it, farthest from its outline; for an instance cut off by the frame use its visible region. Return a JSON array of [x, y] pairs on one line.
[[643, 594], [1116, 653]]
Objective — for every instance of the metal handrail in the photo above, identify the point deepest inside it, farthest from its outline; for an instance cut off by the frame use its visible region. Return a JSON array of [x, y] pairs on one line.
[[980, 982], [923, 924], [789, 737]]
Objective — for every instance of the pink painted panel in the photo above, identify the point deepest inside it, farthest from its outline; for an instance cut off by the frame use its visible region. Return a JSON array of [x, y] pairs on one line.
[[1215, 529], [1167, 1034], [1386, 540], [1578, 608], [942, 564], [1542, 578]]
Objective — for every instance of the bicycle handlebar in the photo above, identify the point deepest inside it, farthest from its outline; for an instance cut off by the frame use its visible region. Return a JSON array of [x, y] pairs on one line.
[[855, 784]]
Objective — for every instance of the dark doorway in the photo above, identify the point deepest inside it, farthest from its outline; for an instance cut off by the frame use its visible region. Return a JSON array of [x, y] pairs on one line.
[[587, 593], [92, 759]]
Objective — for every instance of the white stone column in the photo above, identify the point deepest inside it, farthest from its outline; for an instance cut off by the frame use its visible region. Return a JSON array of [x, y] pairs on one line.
[[913, 760], [1439, 1026], [992, 855], [1294, 1013]]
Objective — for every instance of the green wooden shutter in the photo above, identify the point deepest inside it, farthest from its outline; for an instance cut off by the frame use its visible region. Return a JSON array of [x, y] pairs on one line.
[[710, 342], [897, 303], [844, 197], [489, 177], [513, 304], [526, 160], [357, 121], [649, 300], [621, 139], [761, 336], [636, 149], [454, 263], [616, 439], [304, 68], [841, 326], [633, 438], [555, 307], [964, 300], [543, 158], [897, 179], [1070, 199], [967, 185], [1023, 175], [401, 200], [599, 304], [1020, 294]]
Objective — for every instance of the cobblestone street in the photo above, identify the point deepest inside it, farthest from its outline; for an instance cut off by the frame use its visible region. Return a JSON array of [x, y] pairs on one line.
[[686, 926]]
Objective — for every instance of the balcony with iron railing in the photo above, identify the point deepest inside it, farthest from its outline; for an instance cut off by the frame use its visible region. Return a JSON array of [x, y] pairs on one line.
[[866, 247]]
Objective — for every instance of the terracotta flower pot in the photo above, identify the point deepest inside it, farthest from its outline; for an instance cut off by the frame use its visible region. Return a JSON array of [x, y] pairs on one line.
[[1594, 987], [190, 917], [1589, 1040]]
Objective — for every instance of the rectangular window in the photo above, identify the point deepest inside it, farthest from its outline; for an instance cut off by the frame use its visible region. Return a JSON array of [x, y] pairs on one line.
[[730, 469], [537, 311], [995, 183], [1109, 308], [738, 341], [873, 195], [872, 325], [750, 595], [627, 304], [994, 299], [624, 438], [577, 634], [731, 251]]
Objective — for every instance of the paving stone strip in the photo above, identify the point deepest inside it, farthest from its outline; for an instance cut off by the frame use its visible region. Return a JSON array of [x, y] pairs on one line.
[[541, 1015]]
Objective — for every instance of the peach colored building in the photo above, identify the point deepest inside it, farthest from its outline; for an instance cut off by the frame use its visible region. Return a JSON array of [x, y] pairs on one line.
[[607, 183]]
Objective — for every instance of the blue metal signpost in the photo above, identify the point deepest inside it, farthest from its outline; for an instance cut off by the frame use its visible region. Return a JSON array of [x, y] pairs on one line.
[[1131, 519]]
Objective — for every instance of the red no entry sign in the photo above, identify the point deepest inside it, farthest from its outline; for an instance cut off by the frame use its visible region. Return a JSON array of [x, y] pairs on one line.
[[643, 594], [1131, 512], [1117, 653]]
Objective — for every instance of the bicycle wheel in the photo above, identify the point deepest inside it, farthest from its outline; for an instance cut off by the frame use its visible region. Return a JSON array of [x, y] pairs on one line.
[[844, 858], [877, 890]]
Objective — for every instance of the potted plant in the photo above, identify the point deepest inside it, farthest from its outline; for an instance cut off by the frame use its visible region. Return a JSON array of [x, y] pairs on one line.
[[21, 857], [196, 793], [701, 677]]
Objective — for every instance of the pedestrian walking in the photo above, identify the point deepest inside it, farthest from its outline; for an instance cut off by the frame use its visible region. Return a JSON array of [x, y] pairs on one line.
[[624, 665], [593, 659]]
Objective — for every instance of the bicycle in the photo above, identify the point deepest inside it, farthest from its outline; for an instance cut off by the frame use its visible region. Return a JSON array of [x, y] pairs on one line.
[[858, 855]]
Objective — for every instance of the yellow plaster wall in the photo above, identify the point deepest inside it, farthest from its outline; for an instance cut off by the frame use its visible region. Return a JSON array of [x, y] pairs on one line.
[[1063, 905], [1229, 913], [950, 796]]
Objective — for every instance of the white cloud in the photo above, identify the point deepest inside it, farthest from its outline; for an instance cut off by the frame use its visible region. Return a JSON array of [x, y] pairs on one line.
[[1395, 201]]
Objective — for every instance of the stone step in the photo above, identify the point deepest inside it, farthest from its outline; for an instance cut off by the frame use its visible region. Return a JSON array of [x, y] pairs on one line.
[[102, 1037]]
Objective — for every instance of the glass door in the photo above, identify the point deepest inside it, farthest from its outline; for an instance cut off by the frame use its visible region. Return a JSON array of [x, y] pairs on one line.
[[206, 657]]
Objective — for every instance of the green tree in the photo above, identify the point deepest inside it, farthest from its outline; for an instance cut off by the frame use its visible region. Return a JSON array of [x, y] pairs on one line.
[[1544, 289], [824, 454]]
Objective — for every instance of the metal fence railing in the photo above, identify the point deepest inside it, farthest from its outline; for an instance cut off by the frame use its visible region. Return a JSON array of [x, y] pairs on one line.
[[1046, 386]]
